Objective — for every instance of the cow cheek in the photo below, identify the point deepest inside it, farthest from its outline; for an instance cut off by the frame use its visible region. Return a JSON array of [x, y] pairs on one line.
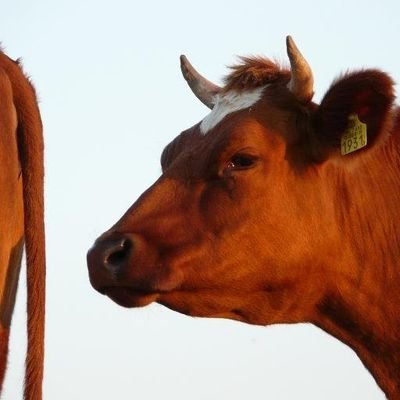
[[224, 206]]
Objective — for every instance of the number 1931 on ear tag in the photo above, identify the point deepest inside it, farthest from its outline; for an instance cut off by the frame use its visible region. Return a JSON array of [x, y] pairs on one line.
[[355, 136]]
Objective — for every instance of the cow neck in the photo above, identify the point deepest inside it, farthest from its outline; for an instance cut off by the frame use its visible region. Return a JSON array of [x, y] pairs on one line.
[[362, 306], [375, 339]]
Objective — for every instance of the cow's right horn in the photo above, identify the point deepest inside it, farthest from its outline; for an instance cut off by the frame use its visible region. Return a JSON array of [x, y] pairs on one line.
[[302, 81], [201, 87]]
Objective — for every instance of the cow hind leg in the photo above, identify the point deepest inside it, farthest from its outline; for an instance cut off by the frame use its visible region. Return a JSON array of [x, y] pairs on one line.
[[8, 296], [4, 337]]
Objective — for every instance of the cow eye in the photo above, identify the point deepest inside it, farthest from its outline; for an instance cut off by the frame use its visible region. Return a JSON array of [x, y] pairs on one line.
[[241, 161]]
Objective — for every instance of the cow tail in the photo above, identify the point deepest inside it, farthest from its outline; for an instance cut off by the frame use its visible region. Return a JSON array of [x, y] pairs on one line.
[[31, 146]]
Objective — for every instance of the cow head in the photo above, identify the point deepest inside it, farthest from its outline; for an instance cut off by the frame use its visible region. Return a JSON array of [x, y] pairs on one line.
[[248, 217]]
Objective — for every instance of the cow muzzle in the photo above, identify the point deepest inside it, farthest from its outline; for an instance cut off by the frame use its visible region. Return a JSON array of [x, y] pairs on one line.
[[111, 255], [126, 268]]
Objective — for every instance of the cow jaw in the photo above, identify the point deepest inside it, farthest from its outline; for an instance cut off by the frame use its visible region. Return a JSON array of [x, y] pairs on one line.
[[261, 306], [129, 298]]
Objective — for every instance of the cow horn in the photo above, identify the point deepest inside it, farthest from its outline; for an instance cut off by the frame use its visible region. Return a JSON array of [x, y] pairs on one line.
[[301, 83], [201, 87]]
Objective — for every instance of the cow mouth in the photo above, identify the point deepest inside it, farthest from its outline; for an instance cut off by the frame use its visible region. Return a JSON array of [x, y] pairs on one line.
[[130, 297]]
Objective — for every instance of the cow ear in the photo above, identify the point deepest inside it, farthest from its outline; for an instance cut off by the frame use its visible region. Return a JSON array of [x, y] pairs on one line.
[[353, 114]]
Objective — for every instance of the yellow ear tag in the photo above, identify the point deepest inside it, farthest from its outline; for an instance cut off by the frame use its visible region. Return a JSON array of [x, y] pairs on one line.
[[355, 135]]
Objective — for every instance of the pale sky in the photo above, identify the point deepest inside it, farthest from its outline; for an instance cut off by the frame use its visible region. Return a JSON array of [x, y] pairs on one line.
[[112, 96]]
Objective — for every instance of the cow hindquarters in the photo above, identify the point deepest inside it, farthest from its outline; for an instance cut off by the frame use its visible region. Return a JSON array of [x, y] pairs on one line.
[[11, 214]]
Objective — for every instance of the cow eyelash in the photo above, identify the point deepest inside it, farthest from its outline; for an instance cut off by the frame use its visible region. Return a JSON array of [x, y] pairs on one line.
[[241, 161]]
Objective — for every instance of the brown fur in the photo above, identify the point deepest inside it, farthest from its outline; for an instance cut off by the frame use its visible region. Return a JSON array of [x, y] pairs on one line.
[[26, 151], [302, 234], [254, 72], [4, 338]]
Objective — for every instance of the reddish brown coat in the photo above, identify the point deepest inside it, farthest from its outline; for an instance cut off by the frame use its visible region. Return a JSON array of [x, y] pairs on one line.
[[264, 221]]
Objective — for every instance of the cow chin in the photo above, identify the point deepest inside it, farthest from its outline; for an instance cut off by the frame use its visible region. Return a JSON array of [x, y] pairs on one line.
[[130, 298]]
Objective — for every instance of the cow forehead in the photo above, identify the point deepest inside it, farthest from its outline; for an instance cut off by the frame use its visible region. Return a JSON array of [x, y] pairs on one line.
[[228, 103]]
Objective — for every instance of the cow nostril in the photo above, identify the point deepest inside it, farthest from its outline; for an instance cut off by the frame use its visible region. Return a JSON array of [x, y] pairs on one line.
[[117, 253]]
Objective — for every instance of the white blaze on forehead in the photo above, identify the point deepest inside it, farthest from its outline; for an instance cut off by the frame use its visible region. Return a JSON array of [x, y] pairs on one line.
[[229, 103]]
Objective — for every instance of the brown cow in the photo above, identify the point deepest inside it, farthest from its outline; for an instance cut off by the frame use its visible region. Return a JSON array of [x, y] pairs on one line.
[[274, 209], [21, 216]]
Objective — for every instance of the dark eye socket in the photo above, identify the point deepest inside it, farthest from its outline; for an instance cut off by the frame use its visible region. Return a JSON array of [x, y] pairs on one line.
[[241, 161]]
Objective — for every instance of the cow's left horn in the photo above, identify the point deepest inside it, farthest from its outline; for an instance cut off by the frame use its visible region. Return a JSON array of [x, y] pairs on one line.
[[201, 87], [302, 81]]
